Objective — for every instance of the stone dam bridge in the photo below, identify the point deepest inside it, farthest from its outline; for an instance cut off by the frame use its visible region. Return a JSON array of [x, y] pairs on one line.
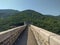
[[28, 35]]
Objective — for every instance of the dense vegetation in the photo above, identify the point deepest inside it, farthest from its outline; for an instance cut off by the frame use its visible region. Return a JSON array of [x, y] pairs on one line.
[[50, 23]]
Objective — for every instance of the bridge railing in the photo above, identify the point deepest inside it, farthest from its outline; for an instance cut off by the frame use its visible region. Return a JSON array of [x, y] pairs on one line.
[[44, 37], [8, 37]]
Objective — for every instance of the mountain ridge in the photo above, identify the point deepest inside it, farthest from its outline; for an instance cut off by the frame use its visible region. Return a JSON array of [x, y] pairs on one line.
[[49, 23], [7, 12]]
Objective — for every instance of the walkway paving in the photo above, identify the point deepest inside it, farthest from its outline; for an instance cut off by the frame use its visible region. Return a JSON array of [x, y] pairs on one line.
[[26, 38]]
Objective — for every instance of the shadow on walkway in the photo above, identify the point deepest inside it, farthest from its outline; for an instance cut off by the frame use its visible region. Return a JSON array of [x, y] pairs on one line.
[[22, 39], [26, 38]]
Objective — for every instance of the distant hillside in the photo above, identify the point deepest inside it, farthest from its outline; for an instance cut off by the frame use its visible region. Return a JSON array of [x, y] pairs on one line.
[[7, 12], [44, 21], [58, 17]]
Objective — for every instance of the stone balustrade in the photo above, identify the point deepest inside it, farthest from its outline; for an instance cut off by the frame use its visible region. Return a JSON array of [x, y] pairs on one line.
[[44, 37], [8, 37]]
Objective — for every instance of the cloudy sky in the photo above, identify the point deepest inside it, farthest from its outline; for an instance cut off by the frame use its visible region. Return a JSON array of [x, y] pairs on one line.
[[43, 6]]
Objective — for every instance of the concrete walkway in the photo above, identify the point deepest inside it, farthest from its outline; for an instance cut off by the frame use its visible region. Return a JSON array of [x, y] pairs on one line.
[[26, 38]]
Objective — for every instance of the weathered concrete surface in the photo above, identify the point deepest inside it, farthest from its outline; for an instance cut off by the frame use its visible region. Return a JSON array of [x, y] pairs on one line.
[[8, 37], [26, 38], [44, 37], [31, 36], [31, 39]]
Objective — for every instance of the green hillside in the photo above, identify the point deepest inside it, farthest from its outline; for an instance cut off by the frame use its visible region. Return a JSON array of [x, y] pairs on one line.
[[7, 12], [47, 22]]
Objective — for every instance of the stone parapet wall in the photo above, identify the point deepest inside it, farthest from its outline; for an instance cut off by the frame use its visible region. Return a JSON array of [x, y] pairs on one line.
[[8, 37], [44, 37]]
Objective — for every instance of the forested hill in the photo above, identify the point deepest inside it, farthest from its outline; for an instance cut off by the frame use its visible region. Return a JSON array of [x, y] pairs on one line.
[[7, 12], [47, 22]]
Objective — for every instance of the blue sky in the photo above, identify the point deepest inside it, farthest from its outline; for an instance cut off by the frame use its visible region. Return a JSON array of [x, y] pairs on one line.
[[43, 6]]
